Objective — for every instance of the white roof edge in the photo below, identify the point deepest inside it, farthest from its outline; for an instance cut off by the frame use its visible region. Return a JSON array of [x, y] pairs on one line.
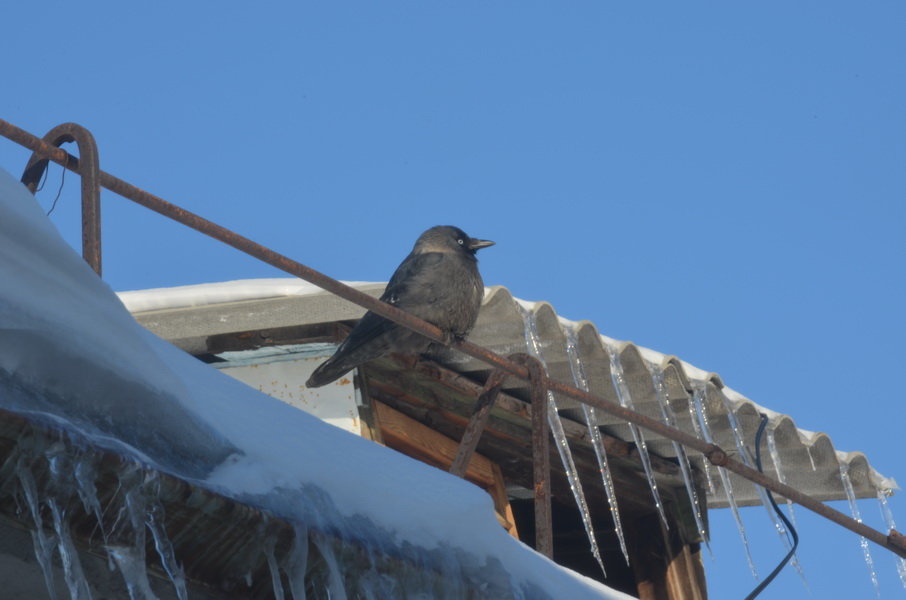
[[205, 294]]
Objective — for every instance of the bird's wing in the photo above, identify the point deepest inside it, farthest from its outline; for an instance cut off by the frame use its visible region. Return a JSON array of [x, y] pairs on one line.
[[369, 328], [414, 283], [406, 290]]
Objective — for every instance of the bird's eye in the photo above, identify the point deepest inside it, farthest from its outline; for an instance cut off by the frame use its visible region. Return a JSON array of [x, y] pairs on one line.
[[460, 241]]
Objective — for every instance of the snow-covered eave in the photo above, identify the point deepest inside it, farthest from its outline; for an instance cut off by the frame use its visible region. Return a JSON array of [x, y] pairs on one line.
[[202, 517], [808, 459], [223, 543]]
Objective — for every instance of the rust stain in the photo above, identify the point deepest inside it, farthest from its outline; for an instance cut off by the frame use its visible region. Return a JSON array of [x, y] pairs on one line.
[[344, 381]]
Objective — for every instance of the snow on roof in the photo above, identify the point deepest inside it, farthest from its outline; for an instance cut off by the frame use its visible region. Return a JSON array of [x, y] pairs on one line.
[[205, 294], [90, 367]]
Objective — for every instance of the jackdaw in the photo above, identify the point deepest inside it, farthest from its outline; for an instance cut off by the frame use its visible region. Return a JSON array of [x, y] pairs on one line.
[[438, 281]]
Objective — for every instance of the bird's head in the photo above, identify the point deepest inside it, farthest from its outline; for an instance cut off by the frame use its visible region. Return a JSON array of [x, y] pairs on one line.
[[446, 238]]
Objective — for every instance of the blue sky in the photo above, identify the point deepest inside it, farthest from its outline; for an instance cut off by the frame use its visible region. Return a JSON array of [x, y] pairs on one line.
[[723, 182]]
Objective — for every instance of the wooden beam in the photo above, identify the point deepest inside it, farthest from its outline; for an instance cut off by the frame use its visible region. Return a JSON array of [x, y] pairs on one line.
[[408, 436], [369, 427], [414, 439], [665, 567]]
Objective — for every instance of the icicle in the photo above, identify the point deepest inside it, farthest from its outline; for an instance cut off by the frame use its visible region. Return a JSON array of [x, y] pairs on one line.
[[811, 459], [857, 515], [738, 439], [533, 343], [146, 511], [72, 568], [277, 585], [701, 416], [60, 468], [778, 467], [622, 390], [132, 515], [297, 562], [44, 543], [85, 473], [131, 563], [154, 519], [663, 400], [591, 420], [697, 428], [891, 525], [335, 588], [59, 489], [566, 457], [747, 459]]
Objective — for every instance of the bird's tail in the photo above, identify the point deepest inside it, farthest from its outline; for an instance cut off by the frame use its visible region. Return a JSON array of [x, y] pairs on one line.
[[330, 370]]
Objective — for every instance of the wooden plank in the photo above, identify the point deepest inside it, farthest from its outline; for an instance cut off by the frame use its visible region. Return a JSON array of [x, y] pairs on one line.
[[498, 493], [419, 441], [665, 567], [686, 574], [408, 436], [369, 428]]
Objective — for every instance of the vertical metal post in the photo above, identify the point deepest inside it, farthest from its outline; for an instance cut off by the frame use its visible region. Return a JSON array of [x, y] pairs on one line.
[[88, 167], [541, 454], [479, 420]]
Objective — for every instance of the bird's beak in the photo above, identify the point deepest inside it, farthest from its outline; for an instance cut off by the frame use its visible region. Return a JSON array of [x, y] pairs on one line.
[[479, 244]]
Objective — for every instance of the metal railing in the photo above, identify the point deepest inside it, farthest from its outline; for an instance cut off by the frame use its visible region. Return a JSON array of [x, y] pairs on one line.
[[522, 367]]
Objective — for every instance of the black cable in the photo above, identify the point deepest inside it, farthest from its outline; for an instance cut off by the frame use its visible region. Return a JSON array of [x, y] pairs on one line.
[[790, 529], [59, 191]]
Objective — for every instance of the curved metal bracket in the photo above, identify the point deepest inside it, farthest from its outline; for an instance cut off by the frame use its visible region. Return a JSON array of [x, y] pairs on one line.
[[88, 167]]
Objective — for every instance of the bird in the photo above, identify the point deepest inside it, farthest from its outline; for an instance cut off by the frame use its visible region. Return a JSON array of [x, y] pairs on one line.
[[438, 281]]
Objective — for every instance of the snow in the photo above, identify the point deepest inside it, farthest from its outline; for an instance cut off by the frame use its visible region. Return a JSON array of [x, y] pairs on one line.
[[70, 352], [222, 292]]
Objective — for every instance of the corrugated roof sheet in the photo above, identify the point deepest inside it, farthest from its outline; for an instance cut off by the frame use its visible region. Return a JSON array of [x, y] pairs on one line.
[[188, 314], [809, 461]]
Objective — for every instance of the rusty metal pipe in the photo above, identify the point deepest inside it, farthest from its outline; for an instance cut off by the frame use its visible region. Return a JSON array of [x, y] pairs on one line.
[[481, 412], [541, 453], [89, 169], [713, 452]]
